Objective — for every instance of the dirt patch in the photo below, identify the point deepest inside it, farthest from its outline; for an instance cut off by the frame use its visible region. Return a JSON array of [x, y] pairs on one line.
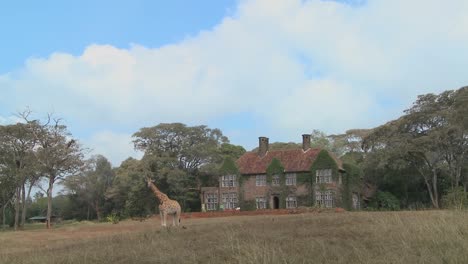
[[228, 213]]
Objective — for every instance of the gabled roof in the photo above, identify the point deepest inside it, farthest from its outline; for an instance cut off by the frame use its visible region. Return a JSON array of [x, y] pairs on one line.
[[293, 160]]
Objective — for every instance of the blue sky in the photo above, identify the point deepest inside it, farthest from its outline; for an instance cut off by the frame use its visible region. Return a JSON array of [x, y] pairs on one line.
[[39, 28], [276, 68]]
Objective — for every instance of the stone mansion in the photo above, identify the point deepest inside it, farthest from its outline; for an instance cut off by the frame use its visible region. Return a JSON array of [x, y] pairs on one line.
[[273, 179]]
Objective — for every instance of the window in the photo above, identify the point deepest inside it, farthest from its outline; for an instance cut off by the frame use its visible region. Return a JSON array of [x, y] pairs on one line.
[[260, 180], [211, 201], [356, 203], [291, 179], [229, 181], [261, 202], [324, 198], [291, 202], [229, 200], [275, 180], [323, 176]]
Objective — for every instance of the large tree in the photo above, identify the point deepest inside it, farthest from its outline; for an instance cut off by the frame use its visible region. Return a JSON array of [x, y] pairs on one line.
[[92, 183], [176, 153], [17, 149], [57, 153], [432, 137]]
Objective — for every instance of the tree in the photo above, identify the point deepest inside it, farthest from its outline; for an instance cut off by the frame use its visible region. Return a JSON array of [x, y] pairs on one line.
[[432, 137], [175, 155], [7, 189], [92, 183], [17, 148], [129, 185], [191, 147], [57, 153]]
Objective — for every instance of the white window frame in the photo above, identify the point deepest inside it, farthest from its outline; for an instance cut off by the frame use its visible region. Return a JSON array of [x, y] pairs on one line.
[[211, 201], [324, 198], [291, 179], [275, 180], [260, 180], [291, 202], [229, 200], [356, 201], [229, 180], [323, 176], [261, 202]]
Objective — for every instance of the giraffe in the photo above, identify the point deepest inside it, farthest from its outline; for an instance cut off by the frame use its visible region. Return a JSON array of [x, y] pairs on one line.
[[166, 205]]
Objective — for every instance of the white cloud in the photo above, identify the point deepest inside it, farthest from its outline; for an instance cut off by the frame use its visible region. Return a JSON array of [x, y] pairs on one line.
[[114, 146], [12, 119], [297, 64]]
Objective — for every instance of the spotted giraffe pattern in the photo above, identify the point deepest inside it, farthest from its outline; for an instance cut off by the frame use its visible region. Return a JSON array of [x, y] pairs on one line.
[[166, 205]]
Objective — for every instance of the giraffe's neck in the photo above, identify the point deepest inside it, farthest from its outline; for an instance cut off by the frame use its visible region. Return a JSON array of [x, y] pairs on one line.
[[160, 195]]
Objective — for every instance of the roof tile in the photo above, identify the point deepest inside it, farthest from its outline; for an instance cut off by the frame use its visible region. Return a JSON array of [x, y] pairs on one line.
[[293, 160]]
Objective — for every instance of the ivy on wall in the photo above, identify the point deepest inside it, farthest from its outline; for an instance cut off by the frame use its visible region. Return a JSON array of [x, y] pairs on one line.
[[282, 190], [325, 161], [275, 168], [322, 161], [229, 167], [351, 184]]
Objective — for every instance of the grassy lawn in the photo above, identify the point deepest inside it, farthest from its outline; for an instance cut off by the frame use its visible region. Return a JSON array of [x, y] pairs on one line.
[[350, 237]]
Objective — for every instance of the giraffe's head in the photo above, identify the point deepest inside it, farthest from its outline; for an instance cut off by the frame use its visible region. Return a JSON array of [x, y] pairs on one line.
[[148, 181]]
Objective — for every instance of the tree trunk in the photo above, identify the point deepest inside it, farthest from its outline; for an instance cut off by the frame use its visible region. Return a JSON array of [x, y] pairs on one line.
[[3, 215], [49, 201], [434, 186], [98, 211], [17, 207], [23, 205], [429, 188]]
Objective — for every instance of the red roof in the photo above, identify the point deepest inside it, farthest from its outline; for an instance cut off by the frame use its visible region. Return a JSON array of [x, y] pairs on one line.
[[293, 160]]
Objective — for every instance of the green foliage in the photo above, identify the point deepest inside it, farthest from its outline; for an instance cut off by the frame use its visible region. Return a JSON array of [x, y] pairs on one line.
[[429, 139], [304, 178], [325, 161], [281, 146], [352, 183], [140, 202], [275, 168], [229, 167], [455, 199], [90, 186], [385, 201], [113, 218], [232, 151]]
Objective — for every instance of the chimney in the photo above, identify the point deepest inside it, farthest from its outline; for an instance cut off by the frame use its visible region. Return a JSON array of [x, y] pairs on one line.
[[305, 142], [262, 146]]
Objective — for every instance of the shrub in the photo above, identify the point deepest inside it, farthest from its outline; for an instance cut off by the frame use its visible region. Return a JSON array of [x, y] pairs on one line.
[[456, 198], [113, 218], [385, 201]]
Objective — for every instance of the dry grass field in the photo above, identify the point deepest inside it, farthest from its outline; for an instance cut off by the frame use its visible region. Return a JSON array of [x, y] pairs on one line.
[[350, 237]]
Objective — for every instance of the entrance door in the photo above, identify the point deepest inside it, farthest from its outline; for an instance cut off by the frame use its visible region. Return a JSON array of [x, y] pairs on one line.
[[275, 202]]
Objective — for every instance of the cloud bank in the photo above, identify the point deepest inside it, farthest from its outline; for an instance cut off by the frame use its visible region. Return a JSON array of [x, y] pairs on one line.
[[298, 65]]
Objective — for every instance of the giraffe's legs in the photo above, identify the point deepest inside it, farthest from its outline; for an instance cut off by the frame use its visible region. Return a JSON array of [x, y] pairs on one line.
[[177, 218], [163, 218], [174, 219]]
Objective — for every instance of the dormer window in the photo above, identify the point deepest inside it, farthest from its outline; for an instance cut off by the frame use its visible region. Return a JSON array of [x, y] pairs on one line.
[[323, 176], [229, 181]]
